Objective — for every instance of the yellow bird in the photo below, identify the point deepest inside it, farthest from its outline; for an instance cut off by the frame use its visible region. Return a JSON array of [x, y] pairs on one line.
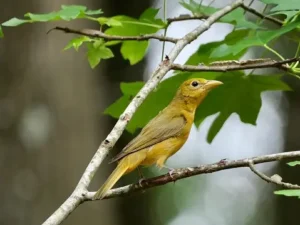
[[164, 135]]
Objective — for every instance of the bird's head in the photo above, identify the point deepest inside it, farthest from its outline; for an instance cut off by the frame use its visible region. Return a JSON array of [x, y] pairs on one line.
[[196, 89]]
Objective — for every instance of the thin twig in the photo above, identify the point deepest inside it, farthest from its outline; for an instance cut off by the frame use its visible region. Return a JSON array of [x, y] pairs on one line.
[[184, 17], [193, 171], [99, 34], [270, 180], [78, 194], [224, 66], [270, 18]]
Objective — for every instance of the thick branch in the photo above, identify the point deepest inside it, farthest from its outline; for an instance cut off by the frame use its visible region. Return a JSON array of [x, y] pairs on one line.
[[260, 15], [99, 34], [193, 171], [270, 180], [69, 205], [224, 66]]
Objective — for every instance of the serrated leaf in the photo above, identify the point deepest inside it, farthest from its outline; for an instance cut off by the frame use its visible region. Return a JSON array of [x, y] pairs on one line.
[[13, 22], [240, 94], [259, 38], [98, 51], [94, 12], [294, 163], [111, 22], [67, 12], [134, 51], [147, 23], [42, 17], [1, 32], [283, 5], [71, 12], [235, 17], [77, 42], [117, 108], [289, 193], [210, 48], [132, 88], [74, 7]]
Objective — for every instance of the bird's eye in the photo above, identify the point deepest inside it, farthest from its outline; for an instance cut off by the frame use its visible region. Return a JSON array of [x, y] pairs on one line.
[[195, 83]]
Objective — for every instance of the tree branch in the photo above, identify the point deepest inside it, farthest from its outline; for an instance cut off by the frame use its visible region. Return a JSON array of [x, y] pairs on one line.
[[77, 196], [179, 174], [184, 17], [260, 15], [270, 180], [224, 66], [100, 34]]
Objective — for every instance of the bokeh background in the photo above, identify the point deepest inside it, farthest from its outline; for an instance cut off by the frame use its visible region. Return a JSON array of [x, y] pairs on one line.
[[51, 123]]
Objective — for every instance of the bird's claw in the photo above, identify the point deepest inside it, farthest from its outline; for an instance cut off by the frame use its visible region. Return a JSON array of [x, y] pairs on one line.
[[171, 172], [222, 162], [141, 181]]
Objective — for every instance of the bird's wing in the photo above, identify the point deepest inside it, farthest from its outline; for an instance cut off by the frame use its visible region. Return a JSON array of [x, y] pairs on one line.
[[160, 128]]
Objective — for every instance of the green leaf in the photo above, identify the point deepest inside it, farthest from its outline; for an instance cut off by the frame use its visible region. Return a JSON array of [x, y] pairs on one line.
[[77, 42], [127, 26], [13, 22], [259, 38], [93, 12], [109, 21], [43, 17], [67, 12], [132, 88], [98, 51], [235, 17], [71, 12], [1, 32], [283, 5], [74, 7], [240, 94], [289, 193], [117, 108], [294, 163], [134, 51]]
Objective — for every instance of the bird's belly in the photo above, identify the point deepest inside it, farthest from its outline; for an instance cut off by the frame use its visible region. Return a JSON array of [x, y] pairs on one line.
[[163, 149]]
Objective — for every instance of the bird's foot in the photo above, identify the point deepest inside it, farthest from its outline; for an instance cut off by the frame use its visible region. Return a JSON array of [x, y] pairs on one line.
[[141, 180], [222, 162], [171, 171]]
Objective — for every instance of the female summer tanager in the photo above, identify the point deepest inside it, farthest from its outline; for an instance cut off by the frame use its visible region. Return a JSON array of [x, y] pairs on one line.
[[164, 135]]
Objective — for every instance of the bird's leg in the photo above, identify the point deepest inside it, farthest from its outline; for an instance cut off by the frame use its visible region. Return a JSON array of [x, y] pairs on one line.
[[141, 176], [171, 170]]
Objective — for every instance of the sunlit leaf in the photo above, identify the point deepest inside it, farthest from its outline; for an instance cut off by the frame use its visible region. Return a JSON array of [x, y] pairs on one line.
[[289, 192], [98, 51], [134, 51], [77, 42], [294, 163], [239, 94], [13, 22]]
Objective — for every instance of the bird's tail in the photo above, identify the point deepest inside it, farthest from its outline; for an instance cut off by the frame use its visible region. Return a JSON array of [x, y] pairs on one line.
[[112, 179]]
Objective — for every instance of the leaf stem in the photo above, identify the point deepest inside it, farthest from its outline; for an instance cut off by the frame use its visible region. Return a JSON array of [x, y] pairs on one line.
[[165, 30], [274, 51]]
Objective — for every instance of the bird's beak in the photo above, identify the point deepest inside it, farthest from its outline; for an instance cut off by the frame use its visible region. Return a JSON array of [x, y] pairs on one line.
[[212, 84]]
